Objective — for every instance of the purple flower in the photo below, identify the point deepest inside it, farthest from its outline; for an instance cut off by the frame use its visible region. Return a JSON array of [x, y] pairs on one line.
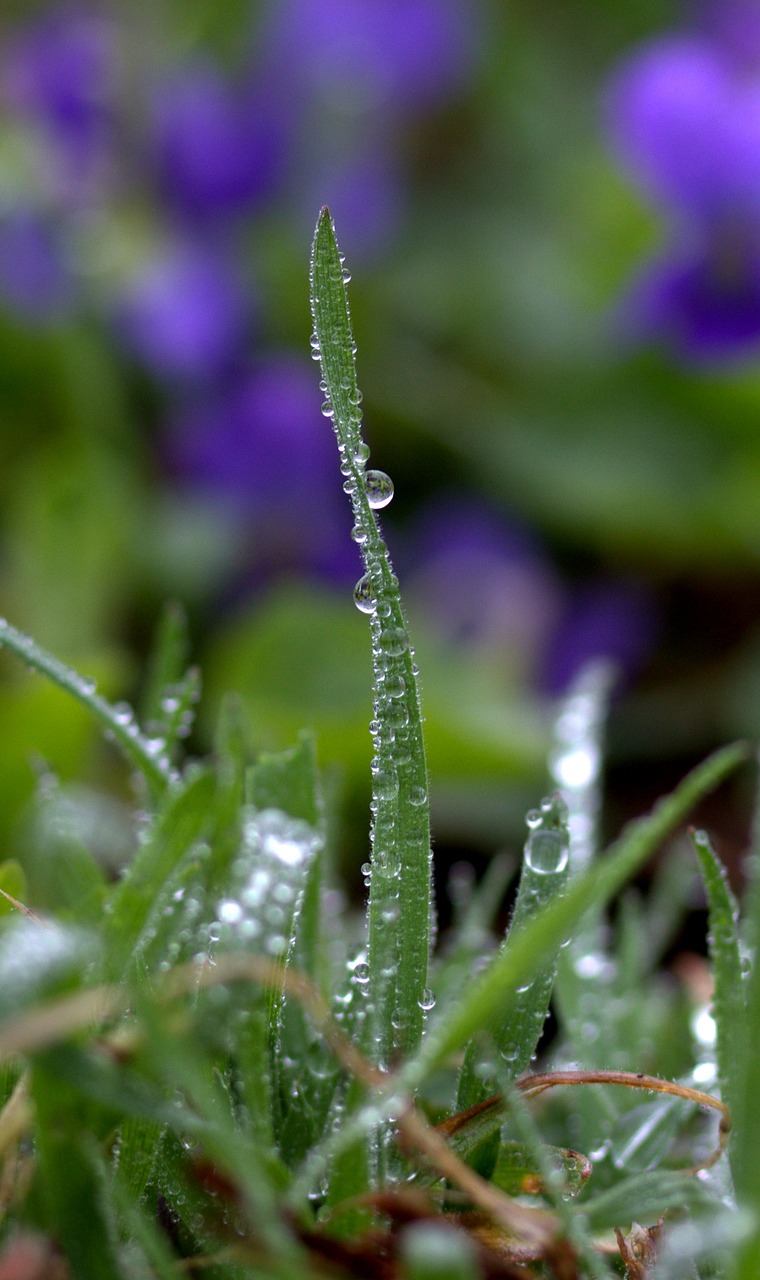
[[391, 53], [705, 304], [607, 619], [482, 581], [687, 126], [684, 118], [33, 279], [218, 150], [260, 447], [59, 72], [734, 25], [186, 314]]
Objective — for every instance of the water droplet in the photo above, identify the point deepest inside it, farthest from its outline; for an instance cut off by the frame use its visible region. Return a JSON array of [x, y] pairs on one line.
[[328, 410], [533, 819], [361, 974], [546, 852], [427, 999], [385, 783], [577, 767], [417, 796], [364, 596], [394, 641], [379, 488], [361, 453], [395, 686], [230, 912]]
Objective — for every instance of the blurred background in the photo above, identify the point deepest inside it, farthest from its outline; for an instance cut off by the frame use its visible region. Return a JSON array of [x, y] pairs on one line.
[[552, 215]]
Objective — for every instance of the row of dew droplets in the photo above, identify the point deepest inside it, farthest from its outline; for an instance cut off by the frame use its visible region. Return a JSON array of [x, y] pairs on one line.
[[575, 763], [267, 880], [546, 855], [399, 872]]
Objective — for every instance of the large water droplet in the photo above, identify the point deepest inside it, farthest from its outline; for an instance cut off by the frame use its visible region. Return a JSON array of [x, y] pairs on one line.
[[546, 852], [394, 641], [547, 848], [364, 596], [379, 489]]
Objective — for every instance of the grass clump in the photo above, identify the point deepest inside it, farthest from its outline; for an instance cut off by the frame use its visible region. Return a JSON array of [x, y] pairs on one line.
[[205, 1067]]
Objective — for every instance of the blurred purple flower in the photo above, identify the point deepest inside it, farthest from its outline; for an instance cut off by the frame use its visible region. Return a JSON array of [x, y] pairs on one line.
[[733, 25], [33, 279], [706, 305], [218, 150], [686, 122], [684, 118], [610, 619], [259, 447], [186, 314], [394, 54], [59, 72], [482, 581]]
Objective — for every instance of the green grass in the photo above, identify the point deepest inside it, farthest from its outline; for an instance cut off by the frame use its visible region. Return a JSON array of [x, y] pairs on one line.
[[207, 1063]]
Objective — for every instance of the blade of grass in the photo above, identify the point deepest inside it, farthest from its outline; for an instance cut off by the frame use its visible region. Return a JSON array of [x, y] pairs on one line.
[[728, 1004], [185, 820], [516, 1029], [399, 901], [167, 662], [143, 753], [496, 986], [745, 1157]]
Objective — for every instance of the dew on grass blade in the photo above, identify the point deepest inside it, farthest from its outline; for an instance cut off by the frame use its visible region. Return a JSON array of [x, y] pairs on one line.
[[364, 595], [267, 880], [379, 487], [547, 848]]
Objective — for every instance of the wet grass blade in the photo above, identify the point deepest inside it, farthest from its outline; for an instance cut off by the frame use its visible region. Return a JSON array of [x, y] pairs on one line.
[[515, 1029], [184, 822], [143, 753], [399, 901], [496, 988], [728, 1004]]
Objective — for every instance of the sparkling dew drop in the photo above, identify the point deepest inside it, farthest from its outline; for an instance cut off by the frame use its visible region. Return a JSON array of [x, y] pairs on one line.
[[379, 487], [364, 596], [547, 847]]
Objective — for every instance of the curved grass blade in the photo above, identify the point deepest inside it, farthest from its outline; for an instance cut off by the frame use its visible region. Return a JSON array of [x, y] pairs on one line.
[[496, 987], [728, 1004], [515, 1028], [399, 901], [145, 754]]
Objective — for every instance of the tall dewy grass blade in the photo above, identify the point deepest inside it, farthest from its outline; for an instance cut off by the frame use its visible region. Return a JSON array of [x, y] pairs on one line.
[[745, 1150], [515, 964], [575, 764], [167, 662], [516, 1027], [728, 1003], [145, 754], [575, 759], [185, 823], [304, 1072], [399, 901]]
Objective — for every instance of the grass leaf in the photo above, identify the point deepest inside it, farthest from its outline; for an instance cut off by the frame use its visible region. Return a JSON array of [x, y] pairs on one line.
[[399, 903], [728, 1002], [144, 754], [496, 987]]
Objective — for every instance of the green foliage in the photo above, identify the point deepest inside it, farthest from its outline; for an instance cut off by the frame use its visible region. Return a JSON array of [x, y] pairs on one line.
[[208, 1059]]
